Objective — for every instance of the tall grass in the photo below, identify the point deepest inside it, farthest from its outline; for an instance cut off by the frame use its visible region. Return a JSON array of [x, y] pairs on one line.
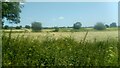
[[65, 51]]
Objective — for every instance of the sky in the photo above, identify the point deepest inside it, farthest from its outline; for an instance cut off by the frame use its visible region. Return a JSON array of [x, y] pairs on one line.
[[71, 0], [52, 14], [61, 0]]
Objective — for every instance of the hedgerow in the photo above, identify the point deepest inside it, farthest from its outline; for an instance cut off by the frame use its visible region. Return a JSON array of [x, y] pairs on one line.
[[65, 51]]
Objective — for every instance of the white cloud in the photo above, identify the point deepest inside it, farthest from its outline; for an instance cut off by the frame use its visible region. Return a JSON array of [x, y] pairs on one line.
[[61, 18], [22, 3], [58, 18]]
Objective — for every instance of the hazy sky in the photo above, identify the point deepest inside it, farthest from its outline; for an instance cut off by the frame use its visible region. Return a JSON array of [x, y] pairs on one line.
[[67, 13]]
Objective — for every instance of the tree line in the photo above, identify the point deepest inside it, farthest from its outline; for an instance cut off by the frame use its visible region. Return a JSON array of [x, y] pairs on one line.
[[37, 26]]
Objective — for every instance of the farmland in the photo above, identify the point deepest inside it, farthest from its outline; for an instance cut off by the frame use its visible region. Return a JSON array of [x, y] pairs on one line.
[[92, 34], [102, 35]]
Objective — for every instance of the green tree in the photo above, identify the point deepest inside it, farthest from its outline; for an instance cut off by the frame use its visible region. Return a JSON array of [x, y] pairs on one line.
[[27, 26], [113, 24], [36, 26], [18, 27], [6, 27], [77, 25], [99, 26], [11, 11], [107, 26]]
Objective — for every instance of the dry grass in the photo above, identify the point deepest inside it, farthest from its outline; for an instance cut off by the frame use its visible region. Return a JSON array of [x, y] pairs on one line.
[[99, 35]]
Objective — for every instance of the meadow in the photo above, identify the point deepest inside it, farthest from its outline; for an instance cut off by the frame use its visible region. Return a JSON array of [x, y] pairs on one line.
[[92, 48], [67, 32]]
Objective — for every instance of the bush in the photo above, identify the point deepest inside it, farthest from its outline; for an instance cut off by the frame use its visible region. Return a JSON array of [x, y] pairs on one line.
[[36, 26], [6, 27], [77, 25], [113, 24], [18, 27], [100, 26], [27, 26], [107, 26]]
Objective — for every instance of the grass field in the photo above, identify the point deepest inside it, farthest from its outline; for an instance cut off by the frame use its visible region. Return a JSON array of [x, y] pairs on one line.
[[99, 35], [60, 30], [92, 33], [95, 48]]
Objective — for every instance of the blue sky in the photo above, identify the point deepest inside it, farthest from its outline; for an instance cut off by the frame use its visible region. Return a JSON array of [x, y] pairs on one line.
[[71, 0], [52, 14]]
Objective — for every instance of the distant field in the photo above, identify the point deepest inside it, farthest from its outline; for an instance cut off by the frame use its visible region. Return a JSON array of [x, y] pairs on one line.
[[99, 35], [66, 32], [60, 30]]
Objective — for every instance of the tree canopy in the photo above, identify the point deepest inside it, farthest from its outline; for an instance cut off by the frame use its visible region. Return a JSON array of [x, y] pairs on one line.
[[99, 26], [11, 11], [27, 26], [113, 24], [36, 26], [77, 25]]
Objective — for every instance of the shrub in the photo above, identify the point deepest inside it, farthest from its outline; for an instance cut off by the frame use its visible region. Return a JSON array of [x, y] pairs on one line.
[[27, 26], [99, 26], [113, 24], [6, 27], [77, 25], [18, 27], [107, 26]]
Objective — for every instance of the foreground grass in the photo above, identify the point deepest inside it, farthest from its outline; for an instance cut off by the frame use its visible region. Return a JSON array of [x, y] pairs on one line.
[[66, 51]]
